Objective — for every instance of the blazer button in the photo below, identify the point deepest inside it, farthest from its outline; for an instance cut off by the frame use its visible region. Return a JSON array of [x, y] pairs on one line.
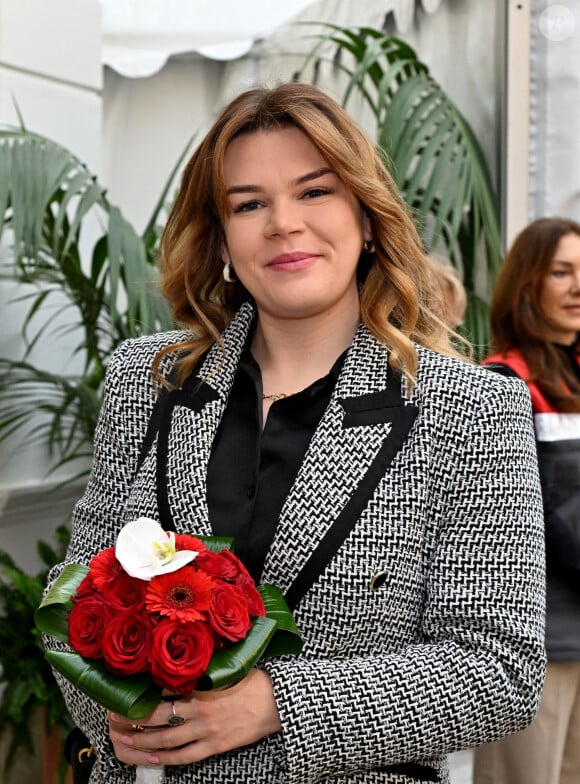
[[377, 580]]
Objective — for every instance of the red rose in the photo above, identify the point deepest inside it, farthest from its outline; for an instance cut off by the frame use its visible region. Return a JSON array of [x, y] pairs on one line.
[[86, 623], [224, 565], [126, 643], [228, 611], [125, 592], [86, 588], [253, 597], [180, 654], [235, 564]]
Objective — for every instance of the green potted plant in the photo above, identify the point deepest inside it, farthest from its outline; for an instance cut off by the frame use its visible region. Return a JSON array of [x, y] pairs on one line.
[[28, 690], [105, 294]]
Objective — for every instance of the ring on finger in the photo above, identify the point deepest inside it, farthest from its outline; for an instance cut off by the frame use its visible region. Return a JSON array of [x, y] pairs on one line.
[[174, 719]]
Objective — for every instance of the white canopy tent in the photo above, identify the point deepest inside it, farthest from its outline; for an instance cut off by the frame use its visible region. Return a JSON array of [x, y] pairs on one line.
[[518, 83], [139, 36], [187, 80]]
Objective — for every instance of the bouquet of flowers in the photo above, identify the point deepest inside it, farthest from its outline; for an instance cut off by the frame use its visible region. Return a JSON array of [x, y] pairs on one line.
[[161, 611]]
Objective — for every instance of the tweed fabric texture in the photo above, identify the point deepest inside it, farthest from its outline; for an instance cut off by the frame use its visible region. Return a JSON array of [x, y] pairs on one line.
[[447, 652]]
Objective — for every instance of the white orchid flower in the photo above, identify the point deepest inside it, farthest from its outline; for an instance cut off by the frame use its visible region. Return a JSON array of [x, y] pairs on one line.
[[145, 550]]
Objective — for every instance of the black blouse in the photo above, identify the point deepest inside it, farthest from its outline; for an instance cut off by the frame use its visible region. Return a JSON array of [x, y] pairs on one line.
[[252, 468]]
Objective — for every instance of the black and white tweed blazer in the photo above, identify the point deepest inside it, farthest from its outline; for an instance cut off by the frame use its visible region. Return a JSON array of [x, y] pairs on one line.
[[447, 651]]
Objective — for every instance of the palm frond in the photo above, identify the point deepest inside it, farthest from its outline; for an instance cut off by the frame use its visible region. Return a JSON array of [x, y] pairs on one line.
[[47, 195], [60, 411], [41, 176]]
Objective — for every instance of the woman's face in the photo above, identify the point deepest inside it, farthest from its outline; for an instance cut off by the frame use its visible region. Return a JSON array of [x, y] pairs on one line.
[[560, 293], [294, 234]]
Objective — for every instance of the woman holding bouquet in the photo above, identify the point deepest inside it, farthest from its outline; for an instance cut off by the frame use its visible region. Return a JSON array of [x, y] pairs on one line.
[[314, 409]]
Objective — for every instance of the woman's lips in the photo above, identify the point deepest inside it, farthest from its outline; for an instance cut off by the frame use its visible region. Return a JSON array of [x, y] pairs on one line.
[[292, 261]]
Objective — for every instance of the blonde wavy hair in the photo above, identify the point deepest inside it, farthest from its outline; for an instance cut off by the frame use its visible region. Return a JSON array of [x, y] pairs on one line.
[[397, 296]]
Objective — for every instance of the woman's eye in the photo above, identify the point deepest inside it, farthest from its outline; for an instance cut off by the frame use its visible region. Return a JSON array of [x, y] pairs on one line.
[[559, 273], [312, 193], [247, 206]]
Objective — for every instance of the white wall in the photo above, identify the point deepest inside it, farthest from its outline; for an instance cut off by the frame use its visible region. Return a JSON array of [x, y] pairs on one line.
[[50, 62]]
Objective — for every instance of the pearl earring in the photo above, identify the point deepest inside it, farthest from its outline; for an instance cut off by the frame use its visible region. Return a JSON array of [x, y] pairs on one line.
[[227, 273]]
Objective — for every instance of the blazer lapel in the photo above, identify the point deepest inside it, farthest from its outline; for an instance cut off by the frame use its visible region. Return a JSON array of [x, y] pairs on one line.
[[363, 428], [188, 423], [359, 435]]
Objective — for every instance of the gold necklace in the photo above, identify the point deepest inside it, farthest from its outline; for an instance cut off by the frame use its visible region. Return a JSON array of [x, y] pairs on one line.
[[274, 398]]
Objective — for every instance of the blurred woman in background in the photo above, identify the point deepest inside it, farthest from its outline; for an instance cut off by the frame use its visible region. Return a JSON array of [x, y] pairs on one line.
[[535, 318]]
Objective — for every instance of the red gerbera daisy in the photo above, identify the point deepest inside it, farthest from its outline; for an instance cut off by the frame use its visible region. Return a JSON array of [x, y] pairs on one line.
[[104, 568], [187, 542], [184, 595]]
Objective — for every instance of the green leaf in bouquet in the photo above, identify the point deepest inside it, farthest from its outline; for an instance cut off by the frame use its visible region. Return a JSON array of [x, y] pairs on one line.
[[273, 635], [133, 696], [287, 637], [230, 665], [217, 543], [52, 615]]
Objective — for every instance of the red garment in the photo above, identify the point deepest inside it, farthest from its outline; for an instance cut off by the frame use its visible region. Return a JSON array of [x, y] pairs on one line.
[[518, 364]]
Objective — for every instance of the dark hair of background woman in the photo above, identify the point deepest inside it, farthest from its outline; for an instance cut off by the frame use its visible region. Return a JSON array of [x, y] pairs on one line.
[[517, 320]]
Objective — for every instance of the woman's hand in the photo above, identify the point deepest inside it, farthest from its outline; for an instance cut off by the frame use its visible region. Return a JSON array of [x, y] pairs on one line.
[[215, 722]]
